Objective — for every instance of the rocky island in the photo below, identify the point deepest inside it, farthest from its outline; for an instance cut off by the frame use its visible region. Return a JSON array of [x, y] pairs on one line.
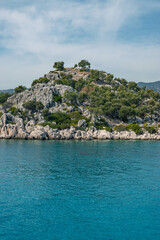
[[80, 103]]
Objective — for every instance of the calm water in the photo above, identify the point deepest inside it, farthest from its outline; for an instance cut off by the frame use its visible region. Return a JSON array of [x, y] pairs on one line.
[[79, 190]]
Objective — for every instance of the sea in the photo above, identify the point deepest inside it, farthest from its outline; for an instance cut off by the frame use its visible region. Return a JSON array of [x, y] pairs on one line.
[[79, 190]]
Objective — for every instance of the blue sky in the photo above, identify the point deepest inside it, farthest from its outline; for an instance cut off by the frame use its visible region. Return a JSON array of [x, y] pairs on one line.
[[119, 36]]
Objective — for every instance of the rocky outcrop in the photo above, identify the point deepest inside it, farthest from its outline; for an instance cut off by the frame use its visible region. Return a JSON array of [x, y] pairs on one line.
[[41, 93], [13, 127]]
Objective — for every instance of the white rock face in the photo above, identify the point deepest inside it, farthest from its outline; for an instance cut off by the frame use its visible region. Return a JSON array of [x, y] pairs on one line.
[[61, 89], [20, 98], [41, 93]]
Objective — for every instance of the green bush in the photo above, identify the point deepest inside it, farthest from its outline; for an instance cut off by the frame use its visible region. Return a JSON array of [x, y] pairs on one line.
[[84, 65], [80, 84], [1, 114], [68, 82], [24, 114], [62, 120], [45, 112], [4, 97], [40, 80], [30, 105], [76, 116], [59, 66], [33, 105], [125, 112], [150, 129], [96, 75], [135, 128], [121, 127], [58, 117], [14, 111], [39, 106], [20, 88], [71, 97], [57, 98], [103, 126]]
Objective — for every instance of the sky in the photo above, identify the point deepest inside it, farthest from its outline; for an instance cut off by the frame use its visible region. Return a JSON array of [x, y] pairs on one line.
[[118, 36]]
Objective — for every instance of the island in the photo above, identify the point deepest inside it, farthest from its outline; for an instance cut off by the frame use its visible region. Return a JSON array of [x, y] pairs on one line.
[[80, 103]]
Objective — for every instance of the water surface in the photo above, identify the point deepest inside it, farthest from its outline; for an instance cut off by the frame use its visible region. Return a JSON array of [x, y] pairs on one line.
[[79, 190]]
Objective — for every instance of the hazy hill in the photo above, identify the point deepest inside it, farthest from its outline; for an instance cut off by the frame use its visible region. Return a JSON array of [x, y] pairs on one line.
[[10, 91], [151, 85]]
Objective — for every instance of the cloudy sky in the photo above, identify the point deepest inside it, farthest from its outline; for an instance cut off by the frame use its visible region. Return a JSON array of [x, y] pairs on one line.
[[119, 36]]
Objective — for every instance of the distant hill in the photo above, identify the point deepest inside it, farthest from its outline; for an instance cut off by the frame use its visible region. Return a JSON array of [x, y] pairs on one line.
[[7, 91], [151, 85]]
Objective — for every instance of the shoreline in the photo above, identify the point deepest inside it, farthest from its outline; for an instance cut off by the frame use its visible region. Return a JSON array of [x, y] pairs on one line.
[[37, 132]]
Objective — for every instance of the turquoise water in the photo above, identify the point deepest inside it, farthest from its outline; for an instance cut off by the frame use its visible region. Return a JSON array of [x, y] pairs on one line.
[[96, 190]]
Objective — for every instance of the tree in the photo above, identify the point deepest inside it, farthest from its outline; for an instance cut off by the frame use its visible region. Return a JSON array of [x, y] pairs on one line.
[[4, 97], [125, 111], [39, 106], [20, 88], [71, 97], [30, 105], [133, 86], [59, 66], [84, 65]]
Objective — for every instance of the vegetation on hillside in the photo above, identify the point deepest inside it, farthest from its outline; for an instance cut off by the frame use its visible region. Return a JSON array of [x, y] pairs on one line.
[[100, 93]]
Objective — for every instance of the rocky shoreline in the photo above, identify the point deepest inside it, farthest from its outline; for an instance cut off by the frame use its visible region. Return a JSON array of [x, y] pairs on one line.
[[18, 130]]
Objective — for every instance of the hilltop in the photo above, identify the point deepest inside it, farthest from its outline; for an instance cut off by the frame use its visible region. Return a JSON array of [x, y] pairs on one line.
[[80, 103]]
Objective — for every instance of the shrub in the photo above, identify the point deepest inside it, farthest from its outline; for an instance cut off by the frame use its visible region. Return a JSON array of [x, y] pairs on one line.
[[20, 89], [135, 128], [40, 80], [125, 111], [150, 129], [1, 114], [96, 75], [59, 66], [71, 97], [103, 126], [24, 114], [39, 106], [84, 65], [14, 111], [45, 112], [58, 117], [80, 84], [76, 116], [121, 127], [30, 105], [4, 97], [82, 97], [62, 120], [57, 98], [68, 82]]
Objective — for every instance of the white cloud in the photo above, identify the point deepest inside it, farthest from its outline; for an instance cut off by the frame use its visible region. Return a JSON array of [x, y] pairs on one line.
[[36, 38]]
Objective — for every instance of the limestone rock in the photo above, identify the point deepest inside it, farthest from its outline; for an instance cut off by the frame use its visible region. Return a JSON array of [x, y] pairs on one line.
[[82, 123]]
